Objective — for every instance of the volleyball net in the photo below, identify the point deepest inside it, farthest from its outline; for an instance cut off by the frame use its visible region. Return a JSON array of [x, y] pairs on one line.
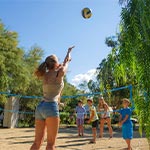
[[129, 87]]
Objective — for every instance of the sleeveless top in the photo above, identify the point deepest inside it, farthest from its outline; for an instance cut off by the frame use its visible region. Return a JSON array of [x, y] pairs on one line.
[[103, 113], [92, 108], [52, 87], [106, 114]]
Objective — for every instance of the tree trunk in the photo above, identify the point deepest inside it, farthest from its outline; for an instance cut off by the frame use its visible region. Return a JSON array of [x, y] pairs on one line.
[[11, 112]]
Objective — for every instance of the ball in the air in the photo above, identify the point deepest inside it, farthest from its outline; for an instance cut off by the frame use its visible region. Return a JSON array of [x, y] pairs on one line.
[[86, 13]]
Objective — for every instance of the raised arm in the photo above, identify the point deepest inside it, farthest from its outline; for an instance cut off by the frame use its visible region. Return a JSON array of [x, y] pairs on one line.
[[68, 56], [63, 67]]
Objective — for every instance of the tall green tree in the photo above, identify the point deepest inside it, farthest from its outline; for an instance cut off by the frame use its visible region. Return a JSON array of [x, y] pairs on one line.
[[32, 59], [110, 73], [135, 55], [13, 74]]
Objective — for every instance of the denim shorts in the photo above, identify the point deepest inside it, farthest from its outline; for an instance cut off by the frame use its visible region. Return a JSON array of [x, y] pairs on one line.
[[46, 109]]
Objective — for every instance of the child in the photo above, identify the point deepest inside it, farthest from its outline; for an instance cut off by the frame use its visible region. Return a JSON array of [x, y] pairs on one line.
[[104, 111], [126, 123], [93, 119], [81, 112]]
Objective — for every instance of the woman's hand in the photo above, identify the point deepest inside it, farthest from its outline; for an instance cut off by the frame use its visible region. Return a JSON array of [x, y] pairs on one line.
[[68, 53], [68, 56], [70, 48]]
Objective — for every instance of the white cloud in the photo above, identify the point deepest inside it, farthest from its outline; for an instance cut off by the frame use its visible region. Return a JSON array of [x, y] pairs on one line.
[[80, 78]]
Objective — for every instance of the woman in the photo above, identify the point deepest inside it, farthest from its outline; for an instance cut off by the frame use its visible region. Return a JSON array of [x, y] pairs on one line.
[[47, 112], [103, 110]]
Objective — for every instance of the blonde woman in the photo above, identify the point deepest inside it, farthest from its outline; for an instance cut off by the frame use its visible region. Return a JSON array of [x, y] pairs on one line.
[[47, 112], [103, 110]]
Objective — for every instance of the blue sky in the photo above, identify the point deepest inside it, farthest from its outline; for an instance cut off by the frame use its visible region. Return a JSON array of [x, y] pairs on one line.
[[54, 25]]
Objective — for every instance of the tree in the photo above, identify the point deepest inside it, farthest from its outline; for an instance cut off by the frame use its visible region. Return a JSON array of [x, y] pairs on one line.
[[135, 56], [110, 73], [130, 64], [32, 59], [13, 74]]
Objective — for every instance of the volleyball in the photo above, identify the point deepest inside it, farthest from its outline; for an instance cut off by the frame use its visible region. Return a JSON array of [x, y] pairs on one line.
[[86, 13]]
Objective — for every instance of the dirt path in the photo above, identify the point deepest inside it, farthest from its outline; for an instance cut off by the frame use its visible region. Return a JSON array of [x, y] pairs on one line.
[[22, 138]]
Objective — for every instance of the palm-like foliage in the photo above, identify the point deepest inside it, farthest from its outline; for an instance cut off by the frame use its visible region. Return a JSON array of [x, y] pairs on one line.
[[129, 62], [135, 55]]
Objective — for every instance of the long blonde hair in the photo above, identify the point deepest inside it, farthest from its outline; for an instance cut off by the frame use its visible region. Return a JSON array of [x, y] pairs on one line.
[[103, 103], [48, 64], [107, 107], [100, 105]]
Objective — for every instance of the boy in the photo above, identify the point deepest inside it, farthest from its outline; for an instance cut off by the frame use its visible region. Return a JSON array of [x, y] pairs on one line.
[[126, 123], [81, 112], [93, 119]]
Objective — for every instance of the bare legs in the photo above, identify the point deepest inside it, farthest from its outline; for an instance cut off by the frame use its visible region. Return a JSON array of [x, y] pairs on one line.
[[39, 134], [102, 122], [109, 127], [128, 141], [80, 130], [94, 134], [52, 124]]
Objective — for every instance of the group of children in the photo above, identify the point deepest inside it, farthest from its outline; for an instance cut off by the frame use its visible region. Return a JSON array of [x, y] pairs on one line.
[[101, 114]]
